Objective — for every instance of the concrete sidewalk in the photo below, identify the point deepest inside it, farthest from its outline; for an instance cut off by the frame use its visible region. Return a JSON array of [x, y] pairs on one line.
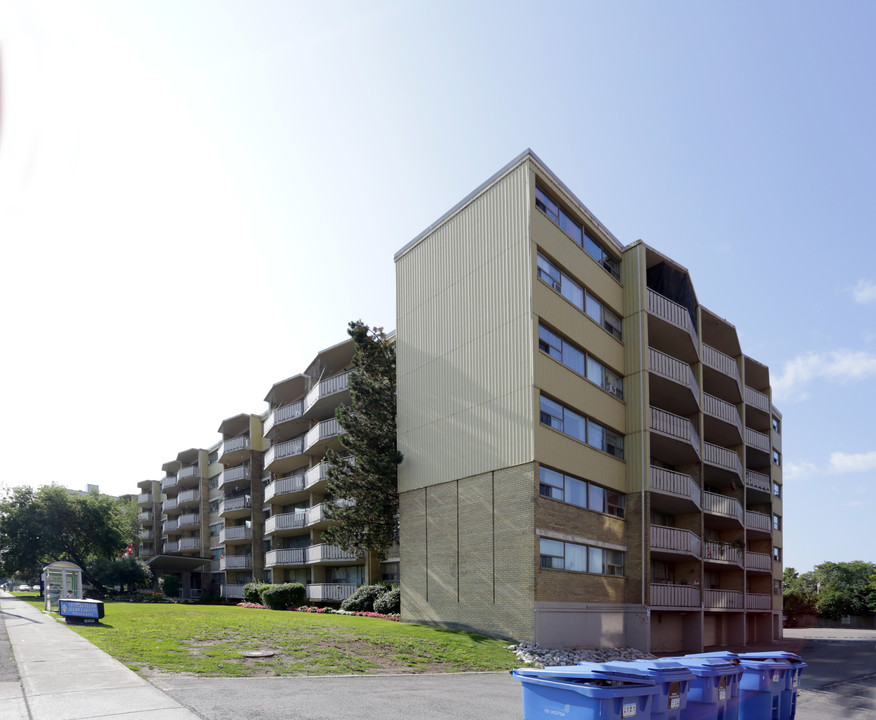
[[62, 676]]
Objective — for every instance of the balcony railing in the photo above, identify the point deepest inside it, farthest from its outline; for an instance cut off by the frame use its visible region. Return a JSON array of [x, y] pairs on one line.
[[235, 532], [146, 535], [758, 601], [230, 504], [187, 496], [723, 599], [170, 504], [169, 482], [232, 591], [757, 481], [234, 444], [673, 369], [285, 521], [285, 486], [321, 431], [758, 561], [282, 414], [235, 562], [324, 388], [756, 439], [285, 449], [145, 516], [329, 592], [189, 519], [674, 483], [757, 399], [187, 472], [722, 410], [315, 474], [323, 553], [285, 556], [722, 552], [675, 426], [671, 312], [717, 360], [171, 547], [190, 543], [716, 504], [667, 595], [144, 498], [757, 521], [722, 457], [169, 526], [675, 539], [234, 474]]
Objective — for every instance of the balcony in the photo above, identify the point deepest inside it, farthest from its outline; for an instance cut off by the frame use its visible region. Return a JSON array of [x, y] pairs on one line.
[[723, 507], [315, 475], [325, 388], [757, 399], [145, 551], [668, 540], [189, 543], [187, 497], [278, 457], [329, 592], [673, 438], [235, 445], [190, 471], [759, 562], [171, 481], [235, 562], [672, 383], [147, 535], [285, 521], [235, 533], [668, 595], [145, 516], [757, 481], [283, 414], [285, 556], [722, 421], [757, 440], [674, 325], [235, 475], [170, 504], [285, 486], [189, 519], [722, 458], [321, 433], [171, 547], [232, 590], [169, 526], [758, 601], [758, 522], [145, 499], [677, 487], [722, 553], [722, 374], [327, 553], [239, 506], [723, 600]]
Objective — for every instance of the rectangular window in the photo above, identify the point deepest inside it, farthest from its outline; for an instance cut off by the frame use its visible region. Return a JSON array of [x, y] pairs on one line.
[[578, 361], [557, 555], [567, 488], [216, 528], [777, 554], [777, 425], [777, 587], [575, 294], [577, 426], [777, 522], [777, 490], [777, 458]]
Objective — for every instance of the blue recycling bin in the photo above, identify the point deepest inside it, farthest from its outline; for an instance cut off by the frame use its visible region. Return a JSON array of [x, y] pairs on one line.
[[790, 680], [572, 692], [714, 690], [672, 679]]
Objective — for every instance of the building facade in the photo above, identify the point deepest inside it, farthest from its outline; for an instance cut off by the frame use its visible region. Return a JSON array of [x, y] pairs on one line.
[[590, 458]]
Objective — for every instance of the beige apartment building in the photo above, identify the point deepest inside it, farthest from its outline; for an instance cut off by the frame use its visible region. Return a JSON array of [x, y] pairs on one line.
[[590, 457], [252, 506]]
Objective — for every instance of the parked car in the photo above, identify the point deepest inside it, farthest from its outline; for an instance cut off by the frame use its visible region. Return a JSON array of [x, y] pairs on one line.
[[24, 588]]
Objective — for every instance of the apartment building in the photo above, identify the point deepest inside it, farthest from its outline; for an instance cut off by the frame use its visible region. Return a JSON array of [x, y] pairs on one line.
[[590, 457], [252, 506]]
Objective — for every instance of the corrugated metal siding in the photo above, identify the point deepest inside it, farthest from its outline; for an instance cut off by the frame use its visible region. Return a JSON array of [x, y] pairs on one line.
[[465, 343]]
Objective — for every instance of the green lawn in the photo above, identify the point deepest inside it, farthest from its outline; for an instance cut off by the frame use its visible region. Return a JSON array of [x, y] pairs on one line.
[[210, 640]]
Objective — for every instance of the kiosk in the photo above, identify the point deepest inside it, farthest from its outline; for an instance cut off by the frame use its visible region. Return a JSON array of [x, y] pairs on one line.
[[63, 580]]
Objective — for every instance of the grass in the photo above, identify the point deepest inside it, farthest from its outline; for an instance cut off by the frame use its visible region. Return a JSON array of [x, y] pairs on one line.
[[209, 640]]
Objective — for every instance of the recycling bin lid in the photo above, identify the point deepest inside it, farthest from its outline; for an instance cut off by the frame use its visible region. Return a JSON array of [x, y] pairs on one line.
[[709, 666], [578, 673]]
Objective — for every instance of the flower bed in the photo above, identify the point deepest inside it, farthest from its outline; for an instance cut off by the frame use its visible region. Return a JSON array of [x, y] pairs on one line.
[[325, 611]]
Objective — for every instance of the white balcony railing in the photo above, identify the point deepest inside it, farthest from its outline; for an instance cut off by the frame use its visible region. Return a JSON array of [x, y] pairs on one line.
[[171, 547], [757, 399], [674, 483], [146, 535], [675, 540], [716, 504], [235, 562], [321, 431], [187, 496], [723, 599], [169, 482], [169, 526], [144, 498], [722, 457], [315, 474], [187, 472], [758, 601], [669, 595], [232, 590], [145, 516], [285, 449], [189, 519], [234, 444], [722, 410], [757, 481], [675, 426], [230, 504], [170, 504], [285, 521], [324, 553], [285, 486], [717, 360], [234, 474], [282, 414], [234, 533], [673, 369], [757, 439], [285, 556], [722, 552], [672, 312], [324, 388], [330, 592], [190, 543], [758, 561], [757, 521]]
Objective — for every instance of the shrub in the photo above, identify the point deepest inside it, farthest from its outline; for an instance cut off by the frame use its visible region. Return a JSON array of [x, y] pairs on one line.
[[252, 592], [280, 597], [364, 597], [389, 603], [169, 585]]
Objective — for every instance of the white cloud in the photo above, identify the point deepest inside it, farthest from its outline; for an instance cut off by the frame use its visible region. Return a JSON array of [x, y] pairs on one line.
[[851, 463], [839, 366], [865, 292], [795, 471]]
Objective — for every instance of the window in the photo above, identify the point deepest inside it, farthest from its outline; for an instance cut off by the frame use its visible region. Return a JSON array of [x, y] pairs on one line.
[[777, 490], [577, 426], [214, 506], [557, 555], [777, 522], [213, 457], [777, 458], [574, 230], [567, 488], [581, 299], [777, 554], [577, 360], [777, 425], [777, 587], [216, 528], [389, 572]]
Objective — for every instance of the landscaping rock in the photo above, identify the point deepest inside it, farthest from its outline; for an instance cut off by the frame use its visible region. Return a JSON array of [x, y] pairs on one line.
[[543, 657]]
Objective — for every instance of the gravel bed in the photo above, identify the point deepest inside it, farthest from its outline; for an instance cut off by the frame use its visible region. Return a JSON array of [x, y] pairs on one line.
[[543, 657]]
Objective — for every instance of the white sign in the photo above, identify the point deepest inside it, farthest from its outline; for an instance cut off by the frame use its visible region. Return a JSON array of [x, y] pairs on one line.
[[629, 710]]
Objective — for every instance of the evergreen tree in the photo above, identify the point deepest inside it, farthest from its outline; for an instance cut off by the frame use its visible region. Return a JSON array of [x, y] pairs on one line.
[[365, 476]]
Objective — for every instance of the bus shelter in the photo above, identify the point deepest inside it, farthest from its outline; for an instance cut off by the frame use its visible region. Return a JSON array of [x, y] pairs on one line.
[[62, 580]]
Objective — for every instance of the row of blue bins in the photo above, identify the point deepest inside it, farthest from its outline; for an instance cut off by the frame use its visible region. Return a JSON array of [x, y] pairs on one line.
[[706, 686]]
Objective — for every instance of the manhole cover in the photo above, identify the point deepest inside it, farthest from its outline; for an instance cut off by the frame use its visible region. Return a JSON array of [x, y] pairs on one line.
[[259, 653]]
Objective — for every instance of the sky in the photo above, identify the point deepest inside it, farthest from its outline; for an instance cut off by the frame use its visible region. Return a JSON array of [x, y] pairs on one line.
[[196, 197]]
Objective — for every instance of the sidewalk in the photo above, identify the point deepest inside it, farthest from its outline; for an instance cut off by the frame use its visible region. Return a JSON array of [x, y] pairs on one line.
[[62, 676]]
